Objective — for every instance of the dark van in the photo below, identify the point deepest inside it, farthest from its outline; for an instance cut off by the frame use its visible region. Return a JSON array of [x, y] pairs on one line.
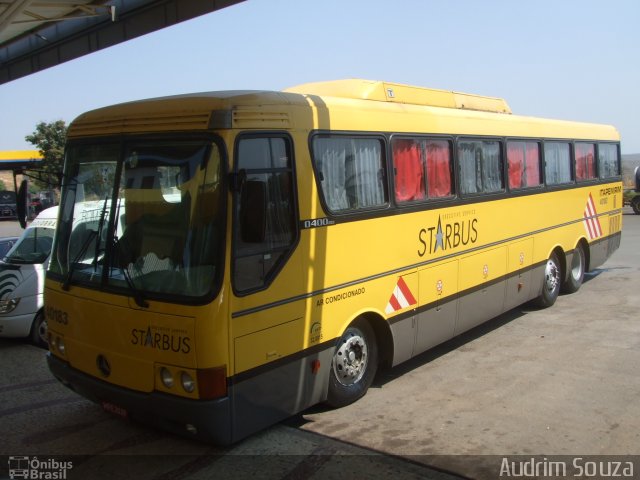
[[8, 205]]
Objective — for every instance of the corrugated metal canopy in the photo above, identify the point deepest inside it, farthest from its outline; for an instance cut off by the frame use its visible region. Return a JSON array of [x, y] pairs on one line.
[[38, 34]]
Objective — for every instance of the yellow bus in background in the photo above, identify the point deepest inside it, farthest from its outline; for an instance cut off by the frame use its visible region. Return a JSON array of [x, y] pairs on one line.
[[224, 260], [14, 160]]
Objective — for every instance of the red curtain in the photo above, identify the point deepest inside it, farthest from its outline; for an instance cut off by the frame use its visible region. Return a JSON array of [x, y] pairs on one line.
[[409, 175], [515, 160], [523, 159], [533, 165], [585, 161], [439, 168]]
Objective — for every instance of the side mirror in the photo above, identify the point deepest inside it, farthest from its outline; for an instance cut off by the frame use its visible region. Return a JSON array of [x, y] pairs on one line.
[[637, 177], [253, 211], [22, 203]]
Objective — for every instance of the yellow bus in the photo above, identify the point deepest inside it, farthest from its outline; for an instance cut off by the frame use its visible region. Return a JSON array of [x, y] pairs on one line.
[[16, 161], [225, 260]]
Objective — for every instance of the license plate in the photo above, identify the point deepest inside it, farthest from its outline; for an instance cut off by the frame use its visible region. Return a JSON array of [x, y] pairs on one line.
[[115, 409]]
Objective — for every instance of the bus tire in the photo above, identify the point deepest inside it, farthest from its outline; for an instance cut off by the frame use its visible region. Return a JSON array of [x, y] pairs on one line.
[[38, 332], [635, 204], [551, 282], [353, 365], [576, 271]]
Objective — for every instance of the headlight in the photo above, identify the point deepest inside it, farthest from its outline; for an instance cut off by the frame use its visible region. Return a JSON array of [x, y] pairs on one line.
[[187, 382], [7, 306], [61, 347], [166, 377]]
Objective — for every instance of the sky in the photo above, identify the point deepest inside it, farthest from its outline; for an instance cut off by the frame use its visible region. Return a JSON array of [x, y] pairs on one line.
[[565, 59]]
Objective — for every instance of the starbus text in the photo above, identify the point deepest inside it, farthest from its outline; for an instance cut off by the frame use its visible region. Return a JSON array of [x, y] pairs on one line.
[[447, 236]]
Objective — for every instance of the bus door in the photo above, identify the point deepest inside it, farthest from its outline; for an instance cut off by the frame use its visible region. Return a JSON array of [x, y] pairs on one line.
[[267, 322]]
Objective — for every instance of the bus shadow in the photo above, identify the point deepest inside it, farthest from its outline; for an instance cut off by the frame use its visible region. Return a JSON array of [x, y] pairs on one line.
[[389, 374], [588, 276]]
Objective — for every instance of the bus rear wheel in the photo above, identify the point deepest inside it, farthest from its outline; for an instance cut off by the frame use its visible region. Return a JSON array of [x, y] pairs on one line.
[[354, 364], [576, 274], [551, 282]]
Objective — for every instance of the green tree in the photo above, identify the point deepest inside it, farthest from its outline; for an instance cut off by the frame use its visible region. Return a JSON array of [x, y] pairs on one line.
[[49, 138]]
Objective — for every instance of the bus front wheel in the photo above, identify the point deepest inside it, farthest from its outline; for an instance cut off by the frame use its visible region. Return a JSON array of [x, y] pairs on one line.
[[38, 332], [551, 282], [354, 364]]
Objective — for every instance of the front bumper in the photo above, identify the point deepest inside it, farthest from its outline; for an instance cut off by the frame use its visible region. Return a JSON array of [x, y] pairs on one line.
[[16, 326], [211, 418]]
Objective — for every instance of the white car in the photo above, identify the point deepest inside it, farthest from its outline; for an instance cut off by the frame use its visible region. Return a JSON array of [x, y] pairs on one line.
[[22, 273]]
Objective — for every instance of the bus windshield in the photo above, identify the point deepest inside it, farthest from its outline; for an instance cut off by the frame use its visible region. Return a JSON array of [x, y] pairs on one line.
[[143, 217]]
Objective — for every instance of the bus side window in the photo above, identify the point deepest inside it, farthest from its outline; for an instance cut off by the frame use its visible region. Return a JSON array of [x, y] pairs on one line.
[[351, 171], [523, 160], [265, 213], [422, 168], [480, 166], [585, 161], [557, 163], [608, 161]]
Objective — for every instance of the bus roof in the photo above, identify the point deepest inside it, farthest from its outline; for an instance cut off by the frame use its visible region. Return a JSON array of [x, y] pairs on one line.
[[336, 105], [398, 93]]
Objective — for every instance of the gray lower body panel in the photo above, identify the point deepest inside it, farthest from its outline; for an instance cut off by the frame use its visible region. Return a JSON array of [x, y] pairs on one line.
[[252, 403], [279, 392]]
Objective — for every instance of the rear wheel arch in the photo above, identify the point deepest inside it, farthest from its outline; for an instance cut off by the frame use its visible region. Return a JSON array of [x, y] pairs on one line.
[[562, 258], [587, 253]]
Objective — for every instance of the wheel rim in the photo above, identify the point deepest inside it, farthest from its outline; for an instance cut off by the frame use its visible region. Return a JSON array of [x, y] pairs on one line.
[[551, 275], [350, 359], [577, 264]]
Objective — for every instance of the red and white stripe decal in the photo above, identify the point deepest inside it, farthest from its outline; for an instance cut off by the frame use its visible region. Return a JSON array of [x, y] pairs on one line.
[[591, 221], [400, 298]]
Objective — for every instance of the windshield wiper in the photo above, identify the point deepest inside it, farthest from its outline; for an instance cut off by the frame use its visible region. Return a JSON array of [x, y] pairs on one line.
[[99, 233], [72, 268], [138, 297], [85, 246], [137, 294]]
